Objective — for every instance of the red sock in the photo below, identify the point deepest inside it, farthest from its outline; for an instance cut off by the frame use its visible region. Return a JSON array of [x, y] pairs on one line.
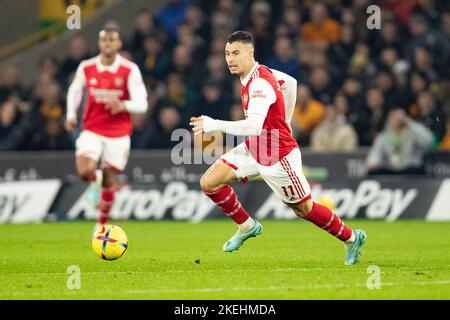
[[226, 199], [326, 219], [106, 202]]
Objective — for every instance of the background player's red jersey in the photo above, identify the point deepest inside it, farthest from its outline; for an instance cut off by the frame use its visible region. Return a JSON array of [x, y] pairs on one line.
[[104, 83]]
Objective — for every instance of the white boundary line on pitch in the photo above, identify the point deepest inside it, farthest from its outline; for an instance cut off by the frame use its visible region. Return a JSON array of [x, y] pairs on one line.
[[325, 286]]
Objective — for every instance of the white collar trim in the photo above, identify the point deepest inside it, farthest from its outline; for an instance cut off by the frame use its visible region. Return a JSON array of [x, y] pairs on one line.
[[111, 68], [247, 77]]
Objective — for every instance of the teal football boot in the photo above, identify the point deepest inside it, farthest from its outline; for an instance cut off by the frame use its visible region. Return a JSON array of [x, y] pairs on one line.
[[238, 239], [354, 251]]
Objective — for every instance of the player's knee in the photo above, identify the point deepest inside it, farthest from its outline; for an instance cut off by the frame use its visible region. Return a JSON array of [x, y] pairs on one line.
[[206, 184], [302, 209], [86, 174]]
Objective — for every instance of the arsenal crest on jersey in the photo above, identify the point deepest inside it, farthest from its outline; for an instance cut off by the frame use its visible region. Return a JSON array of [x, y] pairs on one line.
[[118, 82]]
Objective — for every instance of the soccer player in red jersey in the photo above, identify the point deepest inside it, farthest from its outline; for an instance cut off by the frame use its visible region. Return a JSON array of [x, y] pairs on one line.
[[270, 151], [114, 89]]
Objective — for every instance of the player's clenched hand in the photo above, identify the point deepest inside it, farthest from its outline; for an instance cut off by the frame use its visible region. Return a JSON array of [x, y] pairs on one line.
[[197, 125], [115, 106], [71, 124]]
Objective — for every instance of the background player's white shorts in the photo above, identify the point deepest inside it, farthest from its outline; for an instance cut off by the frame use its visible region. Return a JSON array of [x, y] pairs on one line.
[[113, 152], [285, 178]]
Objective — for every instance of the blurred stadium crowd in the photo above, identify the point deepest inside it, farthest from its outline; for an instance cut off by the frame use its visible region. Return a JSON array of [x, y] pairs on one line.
[[350, 78]]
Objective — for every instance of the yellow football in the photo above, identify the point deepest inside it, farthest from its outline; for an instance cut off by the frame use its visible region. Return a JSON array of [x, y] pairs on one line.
[[110, 242]]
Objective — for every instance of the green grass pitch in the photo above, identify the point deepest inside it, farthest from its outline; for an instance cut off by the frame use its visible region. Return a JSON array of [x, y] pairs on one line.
[[291, 260]]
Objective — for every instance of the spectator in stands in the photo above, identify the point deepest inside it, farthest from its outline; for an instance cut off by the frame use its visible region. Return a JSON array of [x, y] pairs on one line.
[[144, 25], [169, 119], [322, 89], [427, 112], [417, 82], [389, 60], [144, 124], [360, 61], [348, 16], [375, 118], [341, 52], [45, 122], [49, 64], [77, 50], [434, 42], [197, 21], [423, 62], [232, 10], [282, 30], [260, 19], [308, 113], [11, 130], [216, 69], [305, 54], [171, 15], [186, 36], [284, 58], [334, 133], [9, 83], [353, 90], [388, 37], [321, 30], [221, 24], [393, 96], [217, 44], [400, 147], [183, 64], [292, 20], [152, 60], [181, 96], [215, 101], [319, 59], [445, 143]]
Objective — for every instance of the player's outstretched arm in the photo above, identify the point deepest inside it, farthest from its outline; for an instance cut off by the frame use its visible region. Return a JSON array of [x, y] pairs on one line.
[[252, 126], [74, 96], [261, 97], [138, 93]]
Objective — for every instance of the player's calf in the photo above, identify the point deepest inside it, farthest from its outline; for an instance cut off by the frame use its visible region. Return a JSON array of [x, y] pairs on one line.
[[326, 219]]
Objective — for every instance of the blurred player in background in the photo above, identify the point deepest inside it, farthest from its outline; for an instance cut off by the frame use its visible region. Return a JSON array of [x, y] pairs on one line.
[[114, 89], [270, 151]]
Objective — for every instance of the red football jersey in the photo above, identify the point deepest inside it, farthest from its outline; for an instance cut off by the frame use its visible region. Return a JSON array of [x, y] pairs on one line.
[[275, 141], [102, 84]]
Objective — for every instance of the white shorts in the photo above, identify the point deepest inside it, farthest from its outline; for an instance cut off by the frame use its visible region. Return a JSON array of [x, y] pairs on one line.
[[113, 152], [285, 178]]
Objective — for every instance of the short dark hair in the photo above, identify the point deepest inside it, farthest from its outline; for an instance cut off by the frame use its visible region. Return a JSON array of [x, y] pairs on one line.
[[241, 36], [112, 28]]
